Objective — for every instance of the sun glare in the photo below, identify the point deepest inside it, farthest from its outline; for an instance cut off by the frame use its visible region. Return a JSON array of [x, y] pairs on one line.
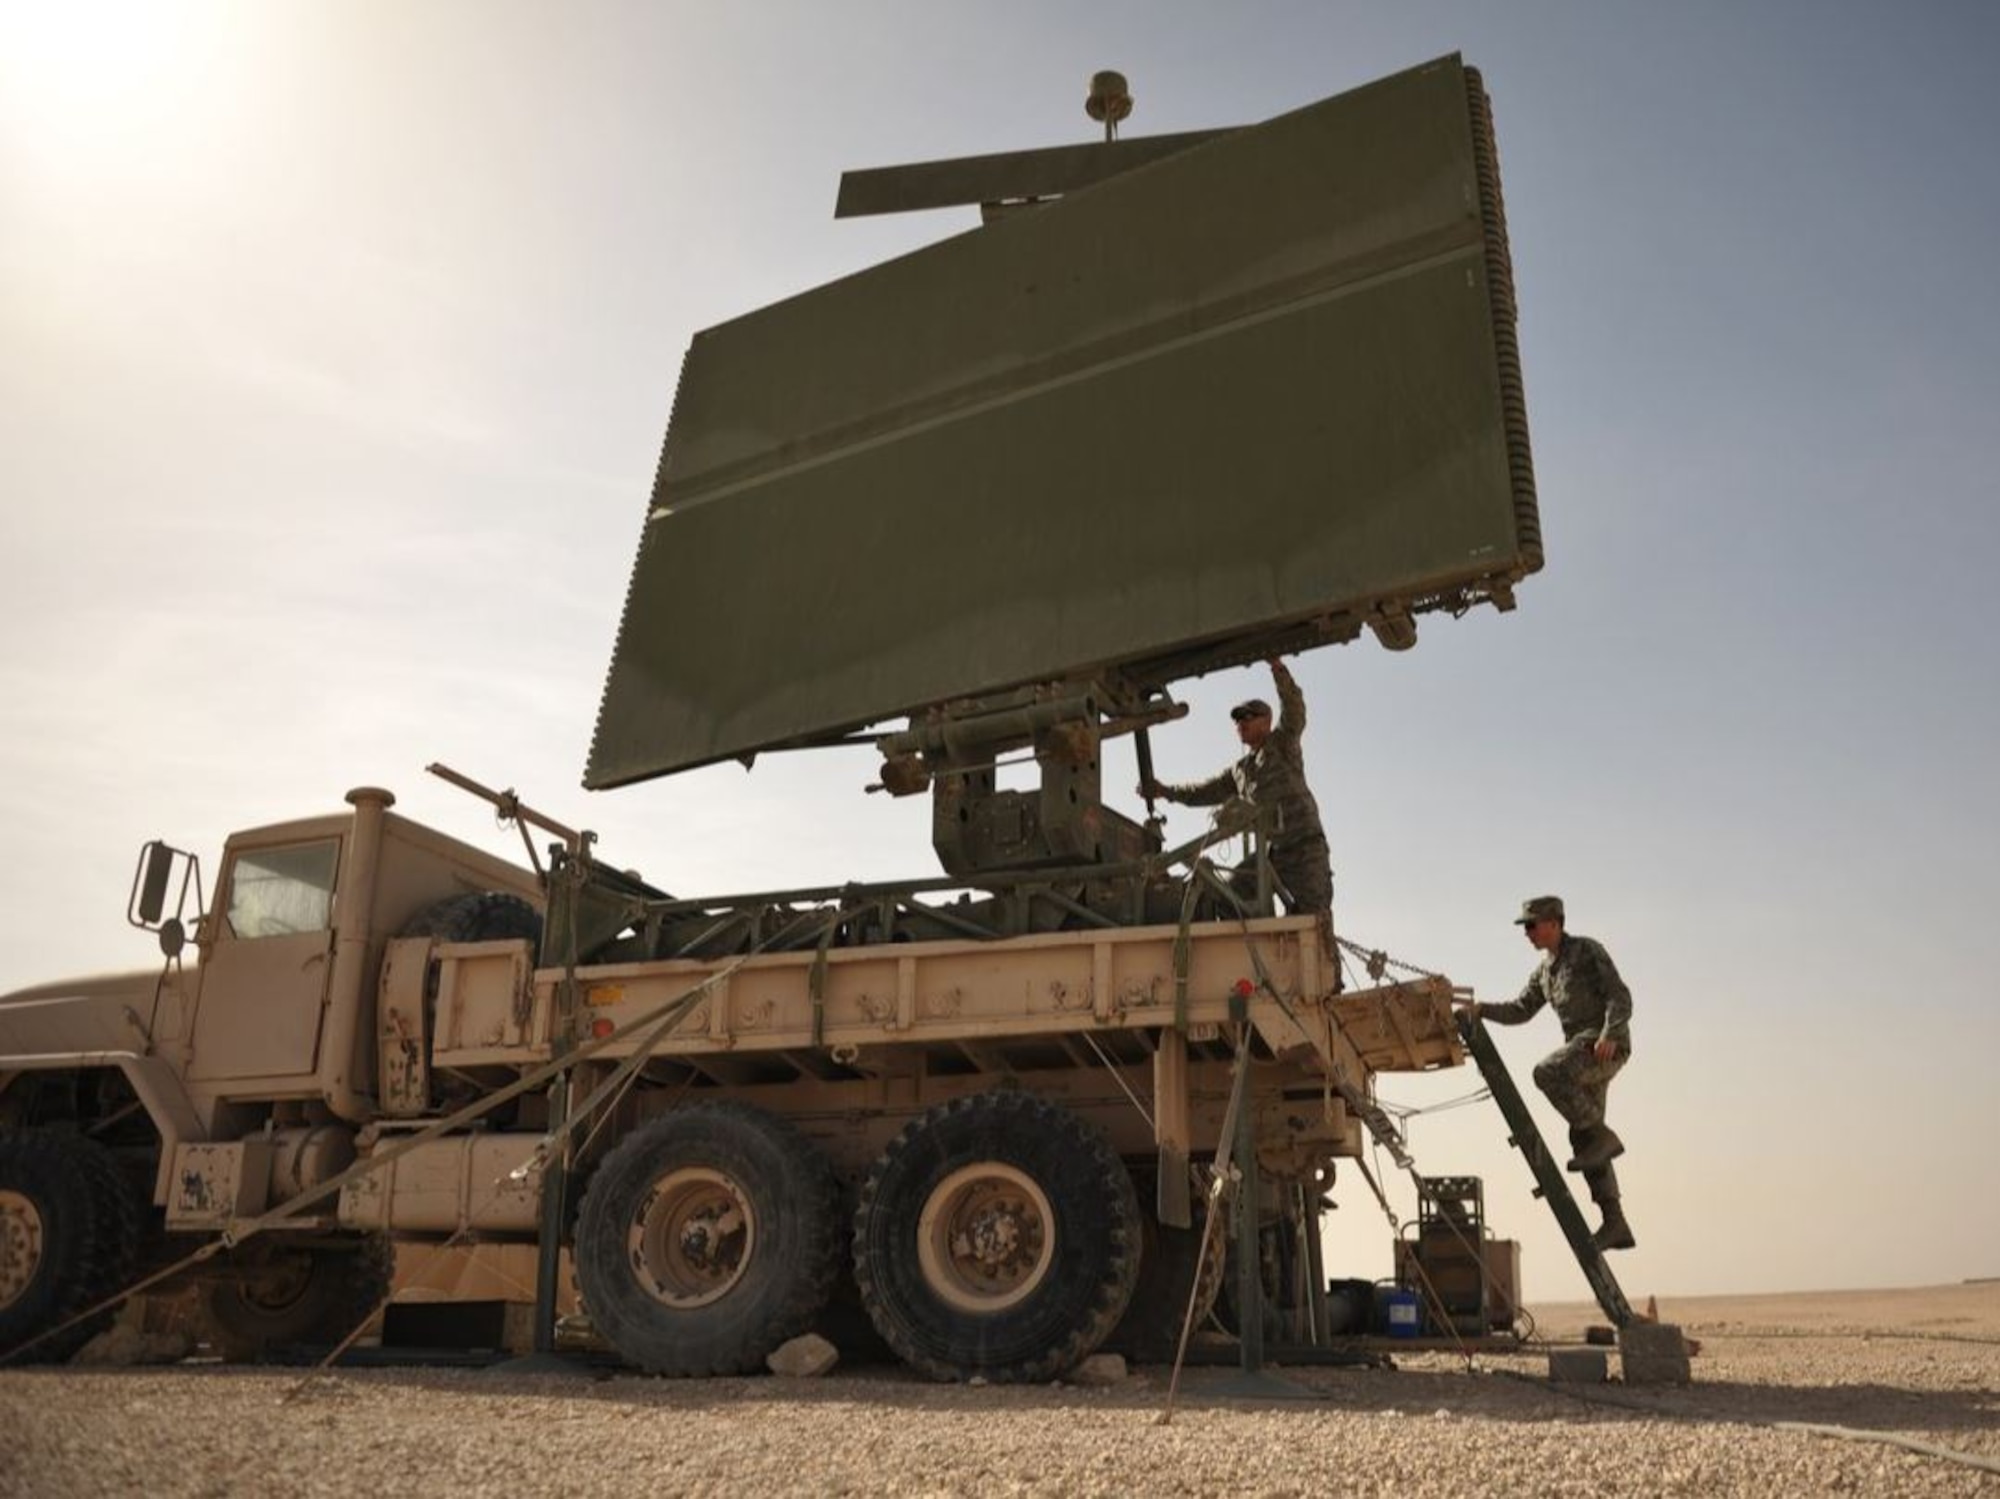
[[88, 84]]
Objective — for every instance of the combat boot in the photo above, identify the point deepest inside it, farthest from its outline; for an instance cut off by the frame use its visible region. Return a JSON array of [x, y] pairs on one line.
[[1616, 1232], [1596, 1146]]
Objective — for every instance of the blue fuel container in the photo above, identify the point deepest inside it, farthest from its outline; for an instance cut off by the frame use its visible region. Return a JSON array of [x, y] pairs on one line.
[[1404, 1314]]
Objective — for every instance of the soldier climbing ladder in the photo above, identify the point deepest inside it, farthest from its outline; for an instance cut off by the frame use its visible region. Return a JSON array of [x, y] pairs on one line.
[[1526, 1137]]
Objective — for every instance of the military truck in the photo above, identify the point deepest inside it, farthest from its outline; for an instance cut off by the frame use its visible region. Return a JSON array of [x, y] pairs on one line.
[[973, 1113], [1177, 404]]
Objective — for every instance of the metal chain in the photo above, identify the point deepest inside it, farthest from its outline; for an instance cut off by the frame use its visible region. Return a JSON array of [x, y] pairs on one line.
[[1375, 962]]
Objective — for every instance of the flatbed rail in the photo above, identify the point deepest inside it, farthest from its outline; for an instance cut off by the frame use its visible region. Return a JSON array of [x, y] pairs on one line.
[[1018, 991]]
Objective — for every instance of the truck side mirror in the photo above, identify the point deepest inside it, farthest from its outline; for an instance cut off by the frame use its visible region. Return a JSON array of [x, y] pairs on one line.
[[156, 862], [162, 869]]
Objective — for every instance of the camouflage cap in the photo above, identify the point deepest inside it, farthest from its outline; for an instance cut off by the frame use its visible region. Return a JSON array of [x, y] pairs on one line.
[[1540, 908], [1250, 707]]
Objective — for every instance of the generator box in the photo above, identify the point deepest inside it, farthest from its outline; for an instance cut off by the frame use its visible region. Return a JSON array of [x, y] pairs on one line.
[[1469, 1282], [1479, 1293]]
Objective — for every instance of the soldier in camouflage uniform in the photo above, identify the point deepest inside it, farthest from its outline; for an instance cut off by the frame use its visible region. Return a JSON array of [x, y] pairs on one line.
[[1273, 774], [1579, 979]]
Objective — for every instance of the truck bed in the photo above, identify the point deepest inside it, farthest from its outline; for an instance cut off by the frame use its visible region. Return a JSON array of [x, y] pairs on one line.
[[1050, 1004]]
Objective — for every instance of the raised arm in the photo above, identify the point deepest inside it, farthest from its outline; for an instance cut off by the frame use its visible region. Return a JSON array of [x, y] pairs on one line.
[[1291, 701]]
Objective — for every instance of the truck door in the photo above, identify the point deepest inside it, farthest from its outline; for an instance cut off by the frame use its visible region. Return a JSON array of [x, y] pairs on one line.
[[263, 982]]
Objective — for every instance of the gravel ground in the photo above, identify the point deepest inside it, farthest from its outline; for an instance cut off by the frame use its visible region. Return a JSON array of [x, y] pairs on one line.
[[1919, 1364]]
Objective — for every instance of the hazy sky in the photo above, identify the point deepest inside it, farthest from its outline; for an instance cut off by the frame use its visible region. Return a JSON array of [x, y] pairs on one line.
[[336, 347]]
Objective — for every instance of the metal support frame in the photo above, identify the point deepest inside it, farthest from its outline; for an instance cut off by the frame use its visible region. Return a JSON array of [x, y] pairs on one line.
[[555, 1169], [1252, 1381], [894, 902]]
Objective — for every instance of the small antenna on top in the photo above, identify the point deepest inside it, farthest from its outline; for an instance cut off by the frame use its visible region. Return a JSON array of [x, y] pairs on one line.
[[1110, 100]]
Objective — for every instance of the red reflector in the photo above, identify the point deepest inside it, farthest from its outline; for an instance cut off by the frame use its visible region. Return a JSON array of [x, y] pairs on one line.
[[600, 1028], [1244, 988]]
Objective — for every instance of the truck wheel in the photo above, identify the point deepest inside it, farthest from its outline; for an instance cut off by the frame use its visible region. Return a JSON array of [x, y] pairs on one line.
[[488, 916], [998, 1236], [1170, 1268], [68, 1231], [277, 1294], [706, 1239]]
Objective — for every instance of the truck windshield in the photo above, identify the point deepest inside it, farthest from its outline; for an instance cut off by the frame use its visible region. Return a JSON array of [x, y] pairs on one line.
[[275, 892]]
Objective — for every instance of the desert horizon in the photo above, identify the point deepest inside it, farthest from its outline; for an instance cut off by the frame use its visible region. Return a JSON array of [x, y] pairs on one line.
[[1948, 1299]]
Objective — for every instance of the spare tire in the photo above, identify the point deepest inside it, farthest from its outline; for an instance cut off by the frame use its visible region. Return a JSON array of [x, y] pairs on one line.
[[481, 916], [478, 916]]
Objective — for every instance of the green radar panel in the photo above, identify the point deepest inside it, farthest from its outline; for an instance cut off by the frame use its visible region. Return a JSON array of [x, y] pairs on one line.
[[1239, 391]]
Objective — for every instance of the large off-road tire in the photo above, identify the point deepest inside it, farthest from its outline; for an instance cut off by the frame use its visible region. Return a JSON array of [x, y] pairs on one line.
[[997, 1237], [706, 1239], [276, 1294], [1170, 1269], [488, 916], [844, 1321], [69, 1230]]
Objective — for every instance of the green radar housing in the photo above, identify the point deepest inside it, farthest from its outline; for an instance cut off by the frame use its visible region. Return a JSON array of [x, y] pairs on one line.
[[1212, 396]]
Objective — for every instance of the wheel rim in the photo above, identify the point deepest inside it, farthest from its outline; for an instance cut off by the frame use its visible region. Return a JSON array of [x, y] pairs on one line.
[[276, 1281], [986, 1237], [692, 1238], [20, 1245]]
